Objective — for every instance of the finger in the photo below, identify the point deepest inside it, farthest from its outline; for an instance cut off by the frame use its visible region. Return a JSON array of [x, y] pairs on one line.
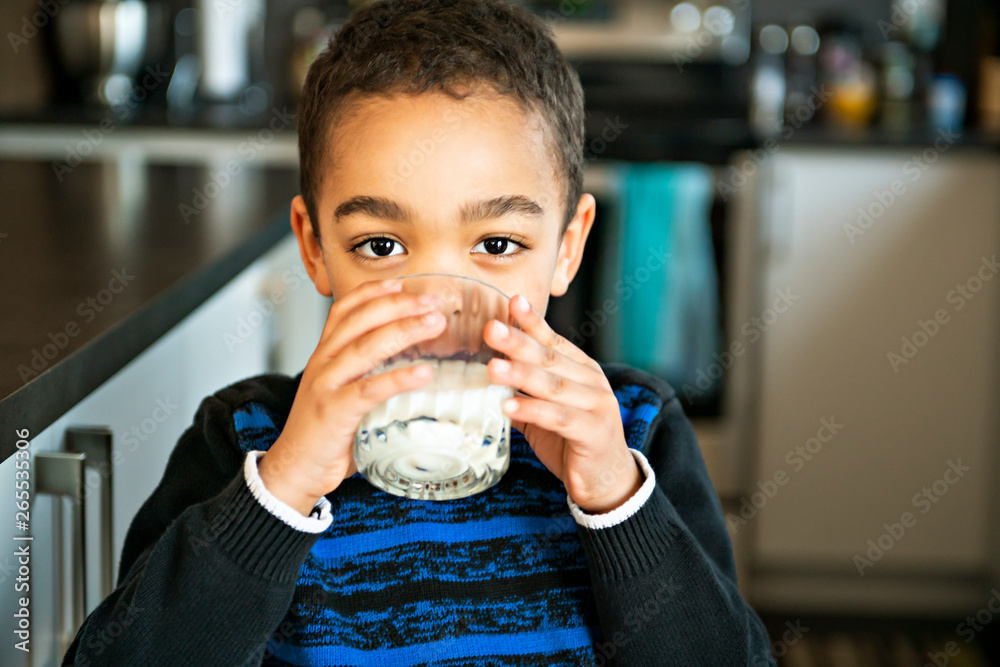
[[565, 420], [364, 353], [361, 395], [374, 313], [363, 292], [519, 345], [541, 383], [533, 323], [517, 423]]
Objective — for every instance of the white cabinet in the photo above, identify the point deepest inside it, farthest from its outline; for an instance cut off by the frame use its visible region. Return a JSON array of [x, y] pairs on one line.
[[891, 334], [268, 318]]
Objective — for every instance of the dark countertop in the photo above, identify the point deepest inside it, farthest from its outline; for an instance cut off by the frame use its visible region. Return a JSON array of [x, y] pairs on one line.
[[99, 265], [874, 137]]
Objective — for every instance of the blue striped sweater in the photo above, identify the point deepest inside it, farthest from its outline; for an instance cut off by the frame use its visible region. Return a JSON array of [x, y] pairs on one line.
[[499, 572], [504, 577]]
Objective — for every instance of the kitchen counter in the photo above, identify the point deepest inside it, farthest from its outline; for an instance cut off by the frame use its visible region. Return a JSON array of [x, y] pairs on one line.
[[874, 137], [100, 259]]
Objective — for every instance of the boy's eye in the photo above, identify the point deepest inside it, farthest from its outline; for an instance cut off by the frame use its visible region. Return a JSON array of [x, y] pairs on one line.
[[380, 246], [498, 245]]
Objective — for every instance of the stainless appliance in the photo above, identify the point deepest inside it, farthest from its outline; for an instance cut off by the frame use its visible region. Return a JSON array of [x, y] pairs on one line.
[[102, 44]]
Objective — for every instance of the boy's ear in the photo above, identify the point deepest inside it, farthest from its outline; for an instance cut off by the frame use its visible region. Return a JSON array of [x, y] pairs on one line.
[[572, 244], [309, 247]]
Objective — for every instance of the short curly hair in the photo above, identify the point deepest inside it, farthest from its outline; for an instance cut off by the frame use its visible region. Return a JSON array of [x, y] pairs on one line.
[[449, 46]]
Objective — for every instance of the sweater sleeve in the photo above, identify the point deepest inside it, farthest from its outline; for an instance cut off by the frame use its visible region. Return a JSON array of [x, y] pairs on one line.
[[664, 574], [207, 572]]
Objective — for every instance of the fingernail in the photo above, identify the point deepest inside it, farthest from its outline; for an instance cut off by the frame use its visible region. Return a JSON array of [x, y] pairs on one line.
[[501, 365], [500, 328], [510, 405], [389, 282], [432, 318], [427, 299], [521, 303]]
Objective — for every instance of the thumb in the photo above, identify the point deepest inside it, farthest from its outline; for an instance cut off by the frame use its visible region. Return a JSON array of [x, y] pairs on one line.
[[547, 450]]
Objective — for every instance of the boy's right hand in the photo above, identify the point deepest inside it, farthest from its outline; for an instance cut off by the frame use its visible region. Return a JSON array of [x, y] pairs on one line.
[[314, 452]]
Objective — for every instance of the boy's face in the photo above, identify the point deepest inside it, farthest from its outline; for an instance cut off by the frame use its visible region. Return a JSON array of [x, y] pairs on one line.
[[408, 190]]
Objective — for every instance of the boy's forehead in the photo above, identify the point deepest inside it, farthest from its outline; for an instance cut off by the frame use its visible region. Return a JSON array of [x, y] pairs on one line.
[[429, 139]]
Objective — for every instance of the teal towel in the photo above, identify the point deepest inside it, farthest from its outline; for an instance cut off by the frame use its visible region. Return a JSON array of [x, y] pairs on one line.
[[660, 269]]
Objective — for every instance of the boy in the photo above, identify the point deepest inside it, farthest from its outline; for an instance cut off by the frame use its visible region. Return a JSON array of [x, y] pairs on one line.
[[450, 131]]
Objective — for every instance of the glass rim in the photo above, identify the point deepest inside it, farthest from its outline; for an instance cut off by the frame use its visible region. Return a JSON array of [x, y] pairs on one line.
[[454, 275]]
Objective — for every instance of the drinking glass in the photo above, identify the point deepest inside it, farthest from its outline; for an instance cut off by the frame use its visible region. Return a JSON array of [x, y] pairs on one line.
[[450, 438]]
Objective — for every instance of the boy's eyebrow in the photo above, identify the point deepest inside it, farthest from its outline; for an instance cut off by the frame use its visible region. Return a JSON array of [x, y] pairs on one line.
[[485, 209], [376, 207], [488, 209]]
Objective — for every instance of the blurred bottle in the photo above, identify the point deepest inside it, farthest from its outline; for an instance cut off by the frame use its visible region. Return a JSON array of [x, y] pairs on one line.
[[801, 99], [767, 85], [102, 46], [989, 94], [849, 78], [896, 84], [228, 43], [920, 22], [220, 70], [946, 103], [972, 51], [920, 25]]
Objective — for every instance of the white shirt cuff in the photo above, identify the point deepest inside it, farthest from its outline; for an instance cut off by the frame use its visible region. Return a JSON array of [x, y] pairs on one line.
[[280, 509], [624, 511]]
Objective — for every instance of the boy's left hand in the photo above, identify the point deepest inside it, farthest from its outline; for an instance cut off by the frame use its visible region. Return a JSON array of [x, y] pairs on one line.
[[571, 417]]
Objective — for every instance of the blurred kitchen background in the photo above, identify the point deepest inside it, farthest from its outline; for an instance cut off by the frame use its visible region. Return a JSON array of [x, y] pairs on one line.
[[799, 215]]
